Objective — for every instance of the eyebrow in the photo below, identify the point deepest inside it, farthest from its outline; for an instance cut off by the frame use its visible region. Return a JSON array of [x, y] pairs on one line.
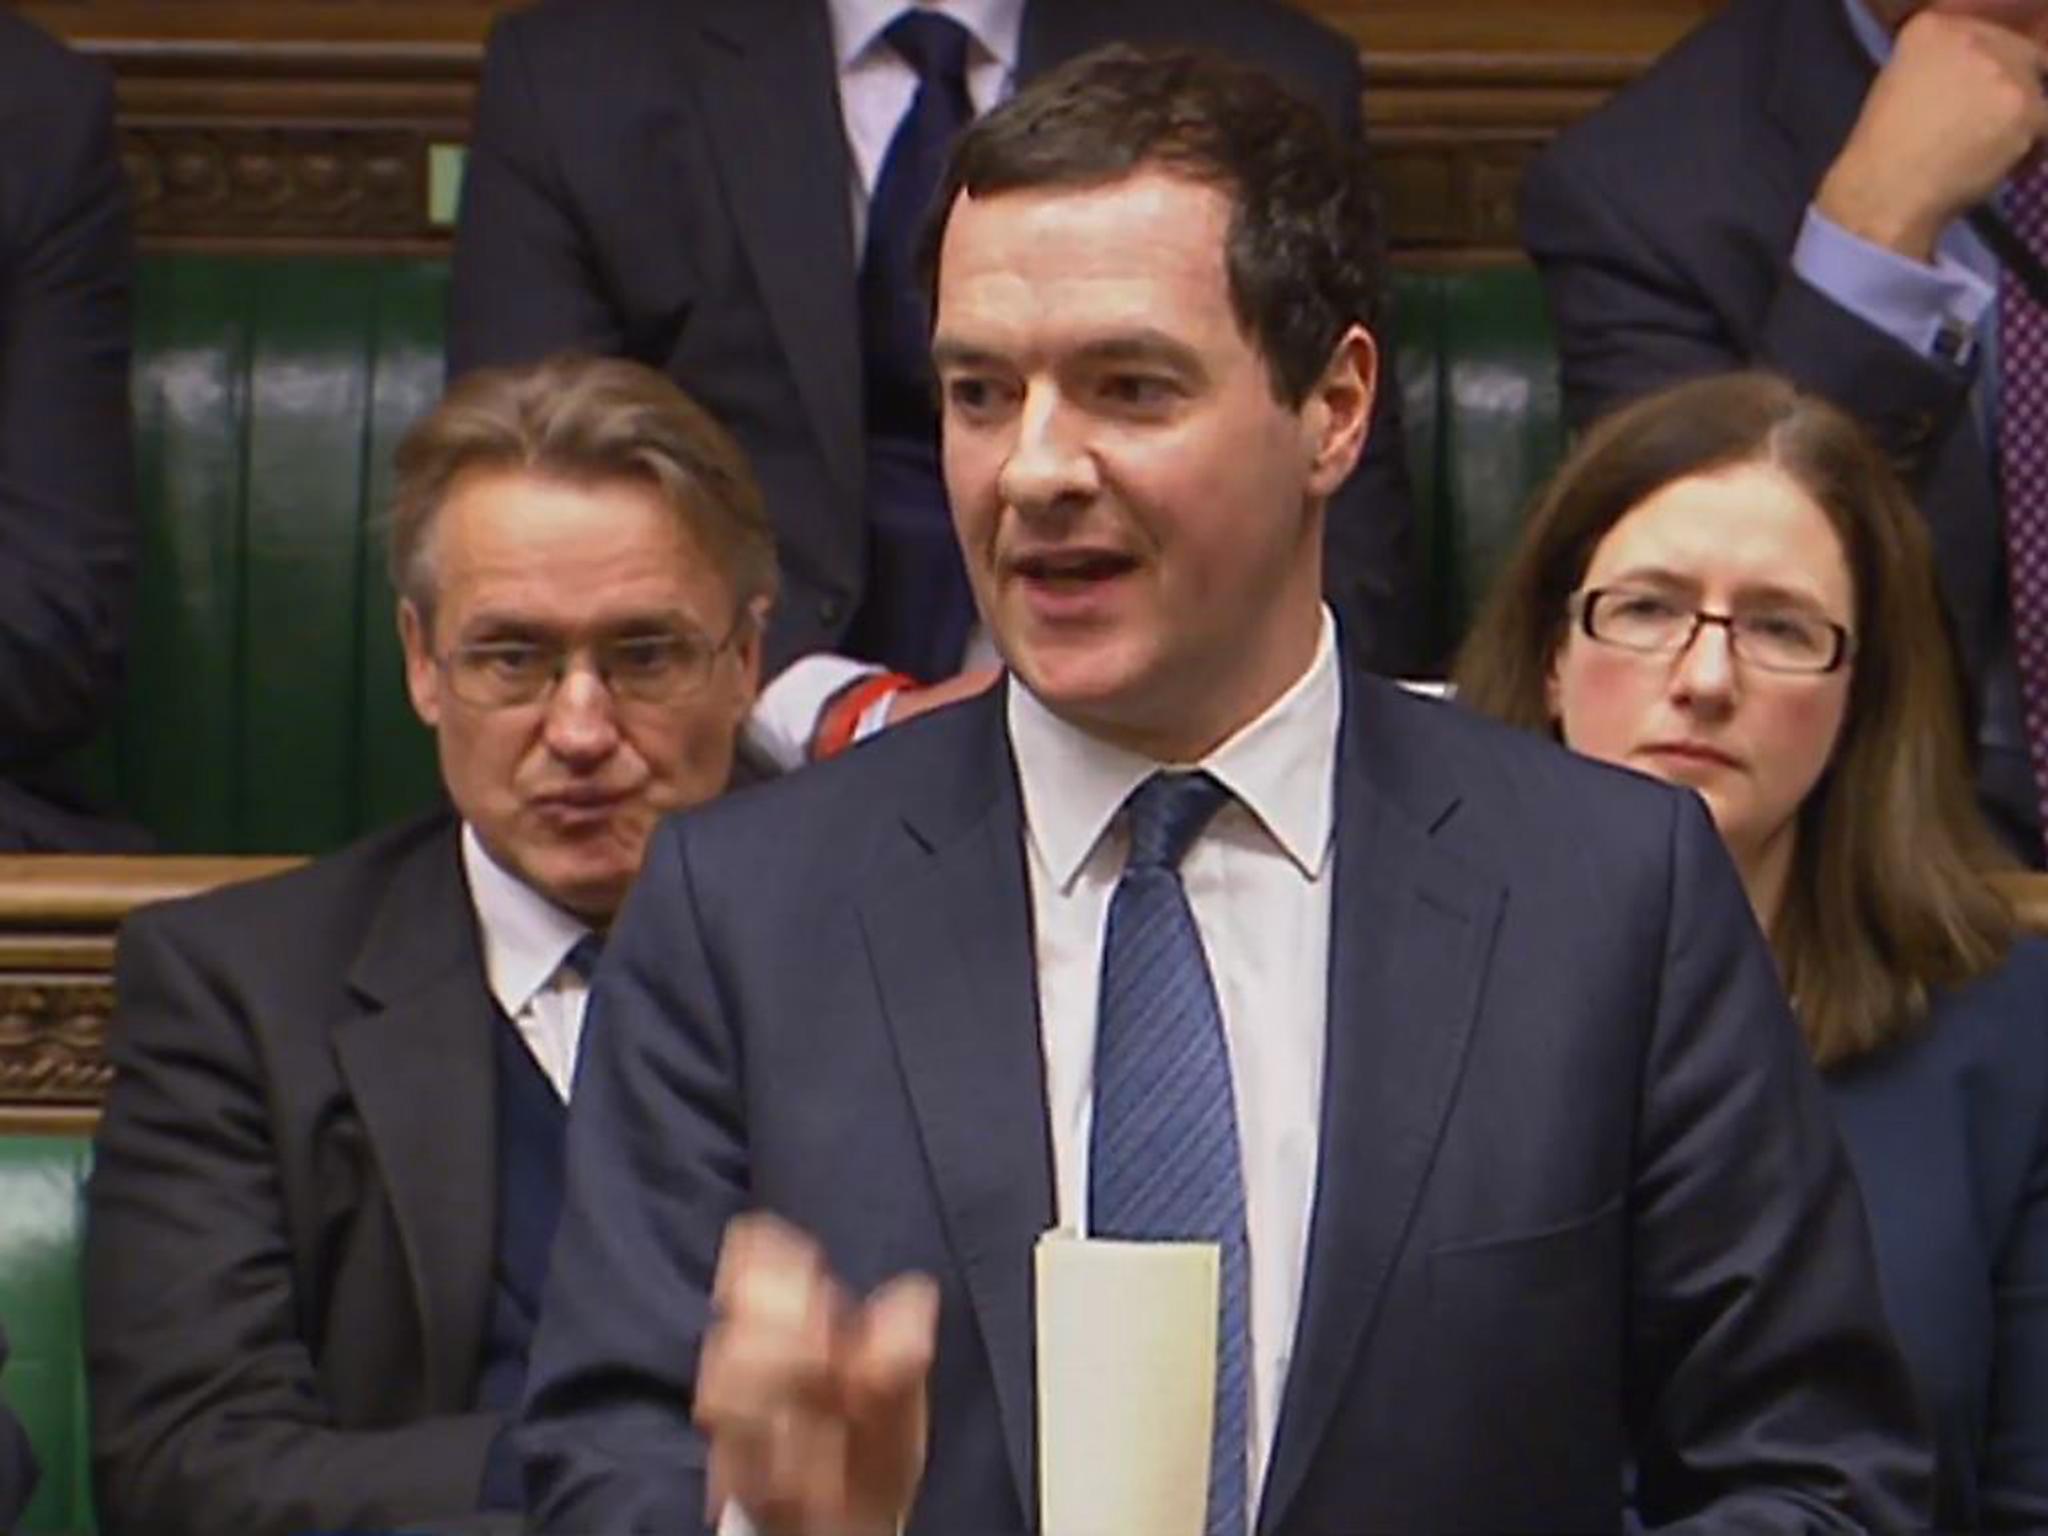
[[507, 626], [1768, 591], [1142, 346], [1146, 344]]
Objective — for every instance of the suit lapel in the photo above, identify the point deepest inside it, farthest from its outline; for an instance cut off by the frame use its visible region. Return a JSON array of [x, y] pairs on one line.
[[771, 98], [418, 1063], [948, 927], [1411, 931]]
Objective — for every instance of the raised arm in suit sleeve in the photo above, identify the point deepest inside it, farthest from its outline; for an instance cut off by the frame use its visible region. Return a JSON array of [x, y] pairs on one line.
[[67, 496], [207, 1409], [524, 280], [1632, 313], [1763, 1382], [657, 1165]]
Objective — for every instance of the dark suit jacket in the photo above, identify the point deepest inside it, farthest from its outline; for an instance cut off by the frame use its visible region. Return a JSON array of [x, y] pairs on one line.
[[1577, 1194], [1664, 226], [1948, 1131], [17, 1460], [290, 1221], [669, 181], [67, 514]]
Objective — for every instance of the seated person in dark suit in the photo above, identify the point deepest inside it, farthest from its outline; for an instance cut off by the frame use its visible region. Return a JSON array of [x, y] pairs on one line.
[[729, 190], [1726, 587], [1468, 1062], [67, 511], [17, 1460], [326, 1176], [1804, 186]]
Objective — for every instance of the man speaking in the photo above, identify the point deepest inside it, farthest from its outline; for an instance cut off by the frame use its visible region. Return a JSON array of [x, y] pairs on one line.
[[1464, 1054]]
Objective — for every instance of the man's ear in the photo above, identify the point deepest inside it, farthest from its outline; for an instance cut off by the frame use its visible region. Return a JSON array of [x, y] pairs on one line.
[[749, 646], [1338, 410], [422, 673]]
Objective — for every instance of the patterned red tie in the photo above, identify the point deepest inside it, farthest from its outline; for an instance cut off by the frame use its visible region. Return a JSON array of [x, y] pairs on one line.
[[2023, 460]]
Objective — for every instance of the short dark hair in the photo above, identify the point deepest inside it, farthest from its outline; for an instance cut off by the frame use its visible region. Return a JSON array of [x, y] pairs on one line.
[[1888, 897], [583, 420], [1303, 249]]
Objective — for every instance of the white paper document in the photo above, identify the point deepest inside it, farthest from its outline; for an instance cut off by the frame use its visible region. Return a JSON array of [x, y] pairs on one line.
[[1126, 1385]]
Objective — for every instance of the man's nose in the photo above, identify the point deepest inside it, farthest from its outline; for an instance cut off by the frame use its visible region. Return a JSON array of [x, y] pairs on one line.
[[1050, 466], [582, 721]]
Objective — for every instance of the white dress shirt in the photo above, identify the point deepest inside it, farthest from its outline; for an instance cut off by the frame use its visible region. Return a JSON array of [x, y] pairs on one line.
[[876, 87], [1258, 881], [526, 940]]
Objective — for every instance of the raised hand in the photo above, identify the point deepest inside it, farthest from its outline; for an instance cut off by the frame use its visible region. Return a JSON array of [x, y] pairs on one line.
[[1959, 106], [813, 1402]]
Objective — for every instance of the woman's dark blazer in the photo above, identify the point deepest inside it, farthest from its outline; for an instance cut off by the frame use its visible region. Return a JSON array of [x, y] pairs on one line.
[[1948, 1131]]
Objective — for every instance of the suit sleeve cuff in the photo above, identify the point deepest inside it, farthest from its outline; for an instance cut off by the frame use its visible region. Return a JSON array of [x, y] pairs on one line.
[[1935, 310]]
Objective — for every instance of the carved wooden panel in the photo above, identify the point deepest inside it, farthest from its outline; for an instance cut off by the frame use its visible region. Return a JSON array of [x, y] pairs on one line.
[[53, 1040], [294, 124], [58, 917]]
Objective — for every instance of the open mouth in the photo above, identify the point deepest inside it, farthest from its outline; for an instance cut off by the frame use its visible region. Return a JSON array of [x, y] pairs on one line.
[[1073, 567]]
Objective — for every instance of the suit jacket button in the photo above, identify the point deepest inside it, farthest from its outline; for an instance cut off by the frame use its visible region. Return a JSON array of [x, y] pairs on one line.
[[829, 609]]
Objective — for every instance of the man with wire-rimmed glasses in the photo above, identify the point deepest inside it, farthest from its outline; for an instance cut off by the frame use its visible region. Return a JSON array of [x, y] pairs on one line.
[[330, 1160]]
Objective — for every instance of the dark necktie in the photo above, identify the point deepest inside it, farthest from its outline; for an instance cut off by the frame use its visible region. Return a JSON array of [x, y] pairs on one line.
[[1163, 1158], [894, 321], [2023, 464], [583, 957], [917, 609]]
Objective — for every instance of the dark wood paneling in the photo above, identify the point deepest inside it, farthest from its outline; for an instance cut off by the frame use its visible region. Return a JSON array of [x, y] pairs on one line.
[[307, 124]]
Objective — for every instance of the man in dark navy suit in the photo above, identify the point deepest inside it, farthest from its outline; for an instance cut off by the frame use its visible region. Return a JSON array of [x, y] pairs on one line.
[[1464, 1053], [67, 496]]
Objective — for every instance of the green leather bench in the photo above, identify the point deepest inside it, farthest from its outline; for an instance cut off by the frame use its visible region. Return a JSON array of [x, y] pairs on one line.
[[42, 1180], [264, 711]]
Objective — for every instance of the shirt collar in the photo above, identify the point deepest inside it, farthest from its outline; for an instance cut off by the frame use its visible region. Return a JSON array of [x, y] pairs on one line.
[[995, 25], [1869, 32], [1281, 768], [526, 936]]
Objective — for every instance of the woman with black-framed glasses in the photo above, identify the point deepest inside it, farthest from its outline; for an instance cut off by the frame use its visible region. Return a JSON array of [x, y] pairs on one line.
[[1726, 587]]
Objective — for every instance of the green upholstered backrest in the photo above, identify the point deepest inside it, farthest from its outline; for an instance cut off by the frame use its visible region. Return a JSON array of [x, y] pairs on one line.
[[1477, 370], [42, 1191], [265, 710]]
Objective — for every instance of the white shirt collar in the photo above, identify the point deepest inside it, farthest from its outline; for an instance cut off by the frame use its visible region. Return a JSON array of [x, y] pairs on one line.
[[526, 936], [995, 25], [1281, 767]]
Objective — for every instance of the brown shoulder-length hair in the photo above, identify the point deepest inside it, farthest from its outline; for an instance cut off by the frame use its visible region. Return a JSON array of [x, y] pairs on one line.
[[1887, 896]]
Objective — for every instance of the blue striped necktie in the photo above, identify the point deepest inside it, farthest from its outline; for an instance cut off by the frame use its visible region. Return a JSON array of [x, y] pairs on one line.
[[1163, 1161]]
